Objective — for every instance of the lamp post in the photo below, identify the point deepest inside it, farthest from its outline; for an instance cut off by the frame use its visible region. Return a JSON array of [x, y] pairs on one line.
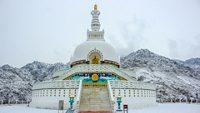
[[119, 101], [71, 101]]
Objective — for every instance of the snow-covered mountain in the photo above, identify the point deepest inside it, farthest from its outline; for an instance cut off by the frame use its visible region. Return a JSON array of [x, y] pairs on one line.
[[16, 83], [194, 63], [174, 78], [42, 71]]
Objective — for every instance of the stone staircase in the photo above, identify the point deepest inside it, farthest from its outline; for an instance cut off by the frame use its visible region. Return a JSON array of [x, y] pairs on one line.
[[95, 99]]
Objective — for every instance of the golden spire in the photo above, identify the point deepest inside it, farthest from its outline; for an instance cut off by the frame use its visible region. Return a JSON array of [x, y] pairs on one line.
[[95, 7]]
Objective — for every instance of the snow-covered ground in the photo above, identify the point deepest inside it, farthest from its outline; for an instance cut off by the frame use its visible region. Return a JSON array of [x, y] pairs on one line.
[[23, 109], [161, 108], [170, 108]]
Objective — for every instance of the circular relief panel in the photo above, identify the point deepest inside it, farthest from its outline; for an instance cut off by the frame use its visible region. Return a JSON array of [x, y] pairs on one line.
[[95, 77]]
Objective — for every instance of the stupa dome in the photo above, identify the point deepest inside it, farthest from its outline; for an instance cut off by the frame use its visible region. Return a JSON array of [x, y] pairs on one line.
[[103, 49]]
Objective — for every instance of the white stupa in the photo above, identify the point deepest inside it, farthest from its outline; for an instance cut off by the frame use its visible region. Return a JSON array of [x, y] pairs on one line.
[[94, 81]]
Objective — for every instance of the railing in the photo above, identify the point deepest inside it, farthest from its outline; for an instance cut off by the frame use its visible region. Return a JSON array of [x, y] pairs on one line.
[[94, 68], [112, 101], [79, 96], [57, 84], [131, 84], [125, 74], [178, 100]]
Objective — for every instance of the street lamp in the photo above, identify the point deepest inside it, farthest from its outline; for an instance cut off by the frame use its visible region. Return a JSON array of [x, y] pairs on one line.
[[119, 101], [71, 101]]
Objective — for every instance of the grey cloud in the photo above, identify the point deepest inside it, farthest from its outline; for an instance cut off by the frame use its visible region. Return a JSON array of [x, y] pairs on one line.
[[131, 33], [194, 48], [173, 46]]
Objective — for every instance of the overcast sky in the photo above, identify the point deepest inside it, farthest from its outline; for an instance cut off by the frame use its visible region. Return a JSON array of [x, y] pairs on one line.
[[49, 30]]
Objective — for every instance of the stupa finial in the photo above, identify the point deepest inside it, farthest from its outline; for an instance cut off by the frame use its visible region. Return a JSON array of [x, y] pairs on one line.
[[95, 25], [95, 33], [95, 6]]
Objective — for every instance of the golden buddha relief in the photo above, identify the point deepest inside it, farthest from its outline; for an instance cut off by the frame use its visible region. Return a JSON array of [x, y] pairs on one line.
[[95, 60]]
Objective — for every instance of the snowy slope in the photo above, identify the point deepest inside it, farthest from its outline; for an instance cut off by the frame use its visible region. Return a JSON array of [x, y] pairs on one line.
[[42, 71], [173, 79], [193, 63], [16, 83]]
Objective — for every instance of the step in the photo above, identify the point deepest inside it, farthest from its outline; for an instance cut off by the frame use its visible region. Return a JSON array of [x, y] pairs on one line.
[[95, 100], [94, 112]]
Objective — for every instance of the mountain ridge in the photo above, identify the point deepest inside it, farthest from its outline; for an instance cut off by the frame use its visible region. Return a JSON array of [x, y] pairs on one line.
[[174, 78], [16, 83]]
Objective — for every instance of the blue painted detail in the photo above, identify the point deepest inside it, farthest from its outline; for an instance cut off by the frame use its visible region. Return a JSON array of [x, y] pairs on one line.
[[106, 76], [90, 81]]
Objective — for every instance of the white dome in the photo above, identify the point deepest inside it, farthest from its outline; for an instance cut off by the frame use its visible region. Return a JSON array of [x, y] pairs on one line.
[[107, 51]]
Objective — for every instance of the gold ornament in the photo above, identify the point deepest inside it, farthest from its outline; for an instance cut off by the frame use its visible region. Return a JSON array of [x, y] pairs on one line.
[[95, 7], [95, 60], [95, 77]]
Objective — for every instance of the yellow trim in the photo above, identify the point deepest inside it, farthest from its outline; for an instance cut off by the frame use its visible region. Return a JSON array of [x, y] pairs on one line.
[[68, 78], [94, 84]]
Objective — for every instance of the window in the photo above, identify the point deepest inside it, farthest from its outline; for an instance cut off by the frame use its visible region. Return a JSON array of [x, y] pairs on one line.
[[54, 92], [141, 93], [47, 92], [59, 92], [137, 93], [50, 92]]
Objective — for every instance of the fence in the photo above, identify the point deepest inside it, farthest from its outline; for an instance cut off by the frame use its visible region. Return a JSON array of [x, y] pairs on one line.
[[13, 102], [179, 101]]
